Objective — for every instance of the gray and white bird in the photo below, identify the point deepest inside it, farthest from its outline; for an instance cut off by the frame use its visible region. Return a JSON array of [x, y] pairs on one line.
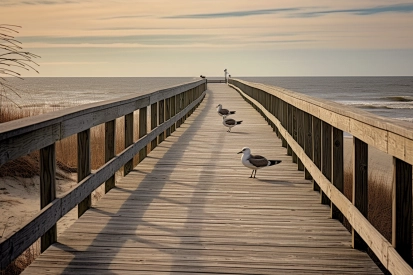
[[229, 122], [255, 162], [224, 112]]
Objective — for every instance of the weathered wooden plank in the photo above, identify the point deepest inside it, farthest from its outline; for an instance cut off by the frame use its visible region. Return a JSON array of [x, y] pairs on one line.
[[326, 156], [402, 209], [110, 146], [337, 169], [128, 141], [83, 167], [378, 244], [154, 123], [161, 105], [308, 141], [316, 147], [360, 185], [48, 189]]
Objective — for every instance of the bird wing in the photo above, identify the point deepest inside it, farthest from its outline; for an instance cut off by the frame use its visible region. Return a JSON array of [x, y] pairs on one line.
[[223, 111], [230, 121], [258, 161]]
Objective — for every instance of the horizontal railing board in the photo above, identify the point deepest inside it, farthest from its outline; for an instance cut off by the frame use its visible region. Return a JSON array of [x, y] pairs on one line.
[[15, 245], [383, 249], [390, 136], [34, 132]]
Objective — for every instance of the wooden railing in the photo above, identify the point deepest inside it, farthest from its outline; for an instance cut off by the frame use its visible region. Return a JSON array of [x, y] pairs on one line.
[[169, 108], [312, 130]]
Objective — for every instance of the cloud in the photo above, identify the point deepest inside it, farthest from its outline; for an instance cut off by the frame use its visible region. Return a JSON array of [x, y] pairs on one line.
[[36, 2], [232, 14], [400, 8]]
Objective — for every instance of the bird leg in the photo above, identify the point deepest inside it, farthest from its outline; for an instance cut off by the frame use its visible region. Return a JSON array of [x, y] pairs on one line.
[[252, 173], [255, 173]]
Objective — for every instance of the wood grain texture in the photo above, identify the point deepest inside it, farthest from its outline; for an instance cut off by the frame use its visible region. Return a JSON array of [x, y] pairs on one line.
[[48, 189], [402, 209], [377, 243], [83, 166], [189, 207], [372, 129], [110, 138]]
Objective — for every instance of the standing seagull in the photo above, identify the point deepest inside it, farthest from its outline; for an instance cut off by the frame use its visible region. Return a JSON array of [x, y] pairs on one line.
[[224, 112], [255, 162], [229, 122]]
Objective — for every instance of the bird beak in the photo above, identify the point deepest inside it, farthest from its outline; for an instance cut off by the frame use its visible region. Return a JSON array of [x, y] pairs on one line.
[[240, 152]]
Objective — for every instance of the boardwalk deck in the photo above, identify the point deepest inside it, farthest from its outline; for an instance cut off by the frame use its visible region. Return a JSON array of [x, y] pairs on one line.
[[191, 208]]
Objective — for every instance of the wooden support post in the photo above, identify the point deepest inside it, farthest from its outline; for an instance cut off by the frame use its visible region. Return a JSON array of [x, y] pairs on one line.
[[308, 141], [143, 130], [402, 209], [128, 141], [316, 147], [110, 145], [168, 114], [300, 136], [83, 167], [289, 127], [284, 121], [48, 189], [360, 186], [154, 123], [294, 131], [173, 112], [178, 108], [161, 105], [338, 169], [326, 156]]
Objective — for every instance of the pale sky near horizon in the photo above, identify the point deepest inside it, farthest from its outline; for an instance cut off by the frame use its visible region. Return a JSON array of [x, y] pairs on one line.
[[187, 38]]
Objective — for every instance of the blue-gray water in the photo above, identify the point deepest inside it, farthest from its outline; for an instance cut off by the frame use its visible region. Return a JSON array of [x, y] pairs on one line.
[[385, 96]]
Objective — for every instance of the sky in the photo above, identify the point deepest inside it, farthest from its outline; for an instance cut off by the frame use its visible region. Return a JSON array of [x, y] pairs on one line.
[[144, 38]]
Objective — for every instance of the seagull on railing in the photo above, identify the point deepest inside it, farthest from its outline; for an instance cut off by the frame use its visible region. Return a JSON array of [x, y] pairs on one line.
[[229, 122], [255, 162], [224, 112]]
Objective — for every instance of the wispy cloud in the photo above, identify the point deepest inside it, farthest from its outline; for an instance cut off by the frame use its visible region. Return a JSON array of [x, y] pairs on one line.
[[36, 2], [400, 8], [232, 14]]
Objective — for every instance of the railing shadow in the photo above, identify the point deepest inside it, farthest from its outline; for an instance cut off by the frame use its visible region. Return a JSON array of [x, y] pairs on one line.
[[147, 183]]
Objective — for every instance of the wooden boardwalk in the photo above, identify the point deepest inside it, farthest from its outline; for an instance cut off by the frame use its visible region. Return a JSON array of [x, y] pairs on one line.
[[191, 208]]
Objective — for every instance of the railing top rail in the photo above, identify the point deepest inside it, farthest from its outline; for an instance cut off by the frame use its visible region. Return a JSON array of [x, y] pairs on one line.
[[24, 125], [20, 137], [388, 135], [400, 127]]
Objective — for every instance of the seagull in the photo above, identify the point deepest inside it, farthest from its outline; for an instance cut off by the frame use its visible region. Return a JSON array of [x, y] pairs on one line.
[[255, 162], [224, 112], [229, 122]]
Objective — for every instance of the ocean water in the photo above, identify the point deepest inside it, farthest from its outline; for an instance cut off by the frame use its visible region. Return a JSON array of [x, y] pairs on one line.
[[385, 96]]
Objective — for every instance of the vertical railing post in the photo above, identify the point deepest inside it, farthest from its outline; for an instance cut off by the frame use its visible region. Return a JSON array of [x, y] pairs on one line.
[[48, 189], [316, 147], [338, 169], [360, 186], [294, 131], [83, 167], [168, 114], [143, 130], [326, 156], [308, 141], [289, 127], [128, 141], [402, 209], [300, 136], [284, 121], [161, 119], [110, 145], [154, 123], [173, 112]]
